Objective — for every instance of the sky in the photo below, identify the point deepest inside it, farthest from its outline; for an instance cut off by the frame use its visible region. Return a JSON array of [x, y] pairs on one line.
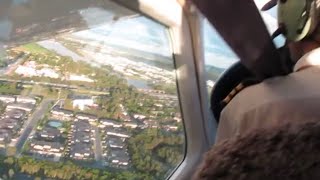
[[138, 33], [218, 53], [144, 34]]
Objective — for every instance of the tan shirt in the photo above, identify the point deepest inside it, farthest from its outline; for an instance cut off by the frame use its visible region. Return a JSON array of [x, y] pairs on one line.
[[295, 97]]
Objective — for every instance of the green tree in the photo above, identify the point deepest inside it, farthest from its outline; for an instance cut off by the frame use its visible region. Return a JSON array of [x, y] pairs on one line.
[[9, 160], [11, 151], [11, 173]]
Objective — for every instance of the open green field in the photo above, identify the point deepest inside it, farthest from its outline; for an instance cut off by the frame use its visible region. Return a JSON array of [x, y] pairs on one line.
[[35, 48]]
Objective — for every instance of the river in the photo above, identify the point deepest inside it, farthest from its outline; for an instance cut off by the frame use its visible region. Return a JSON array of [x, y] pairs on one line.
[[59, 49], [140, 84]]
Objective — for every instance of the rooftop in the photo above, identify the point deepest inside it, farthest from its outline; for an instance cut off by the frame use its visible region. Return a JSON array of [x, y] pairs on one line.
[[80, 148], [21, 106], [52, 145], [14, 113], [63, 111], [85, 116]]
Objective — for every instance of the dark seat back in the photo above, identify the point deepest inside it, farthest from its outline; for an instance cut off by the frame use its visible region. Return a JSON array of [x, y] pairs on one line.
[[224, 85]]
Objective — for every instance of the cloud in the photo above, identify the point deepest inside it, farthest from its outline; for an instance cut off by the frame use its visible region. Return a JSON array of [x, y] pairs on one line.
[[137, 33], [218, 60]]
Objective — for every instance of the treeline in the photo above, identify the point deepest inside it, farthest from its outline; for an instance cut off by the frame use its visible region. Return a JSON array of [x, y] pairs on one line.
[[155, 152], [102, 76], [11, 167], [9, 88]]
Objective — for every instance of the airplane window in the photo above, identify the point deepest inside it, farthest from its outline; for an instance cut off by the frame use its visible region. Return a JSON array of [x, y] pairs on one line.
[[219, 56], [87, 91]]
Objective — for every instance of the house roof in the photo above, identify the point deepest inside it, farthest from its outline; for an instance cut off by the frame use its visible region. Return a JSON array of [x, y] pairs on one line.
[[114, 141], [64, 111], [110, 121], [14, 113], [122, 131], [119, 154], [81, 148], [50, 132], [81, 125], [6, 96], [25, 98], [85, 115], [21, 106], [80, 135], [53, 145]]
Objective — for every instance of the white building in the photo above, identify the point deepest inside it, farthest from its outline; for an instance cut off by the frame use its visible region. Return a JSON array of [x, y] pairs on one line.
[[29, 70], [47, 72], [82, 104], [88, 117], [74, 77], [117, 133], [24, 99], [26, 71], [20, 106], [131, 125], [7, 99], [110, 122], [139, 116]]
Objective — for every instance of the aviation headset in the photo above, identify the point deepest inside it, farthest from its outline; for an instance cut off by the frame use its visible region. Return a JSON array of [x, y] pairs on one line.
[[297, 20]]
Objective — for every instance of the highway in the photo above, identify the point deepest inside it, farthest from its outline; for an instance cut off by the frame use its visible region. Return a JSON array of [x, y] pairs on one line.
[[55, 85], [40, 83], [31, 123]]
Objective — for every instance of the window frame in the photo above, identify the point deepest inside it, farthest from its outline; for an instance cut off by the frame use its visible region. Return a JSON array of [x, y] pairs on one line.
[[187, 42]]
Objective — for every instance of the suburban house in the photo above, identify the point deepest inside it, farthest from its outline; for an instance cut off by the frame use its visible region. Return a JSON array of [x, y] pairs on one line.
[[170, 127], [88, 117], [75, 77], [114, 142], [119, 132], [139, 116], [24, 99], [81, 151], [44, 147], [119, 158], [5, 135], [83, 103], [83, 126], [62, 114], [132, 125], [80, 137], [151, 123], [110, 122], [9, 123], [21, 106], [49, 133], [14, 113], [7, 98]]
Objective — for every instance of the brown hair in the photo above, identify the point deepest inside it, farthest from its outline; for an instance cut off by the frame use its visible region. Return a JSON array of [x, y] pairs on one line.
[[283, 152]]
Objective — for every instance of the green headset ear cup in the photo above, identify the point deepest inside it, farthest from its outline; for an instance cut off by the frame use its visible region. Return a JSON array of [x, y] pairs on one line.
[[298, 16]]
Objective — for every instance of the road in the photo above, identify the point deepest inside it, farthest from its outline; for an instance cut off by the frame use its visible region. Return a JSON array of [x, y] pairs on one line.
[[40, 83], [55, 85], [31, 123], [97, 145]]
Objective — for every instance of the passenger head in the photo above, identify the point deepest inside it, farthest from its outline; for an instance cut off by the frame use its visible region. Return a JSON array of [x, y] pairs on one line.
[[283, 152], [299, 20]]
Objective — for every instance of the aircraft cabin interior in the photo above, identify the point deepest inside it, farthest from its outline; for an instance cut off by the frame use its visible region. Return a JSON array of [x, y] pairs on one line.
[[108, 89]]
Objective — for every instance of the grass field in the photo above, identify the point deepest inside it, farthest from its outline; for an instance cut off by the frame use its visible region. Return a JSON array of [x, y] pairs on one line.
[[35, 48]]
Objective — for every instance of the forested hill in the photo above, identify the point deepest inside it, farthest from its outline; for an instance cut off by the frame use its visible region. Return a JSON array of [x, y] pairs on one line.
[[213, 72]]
